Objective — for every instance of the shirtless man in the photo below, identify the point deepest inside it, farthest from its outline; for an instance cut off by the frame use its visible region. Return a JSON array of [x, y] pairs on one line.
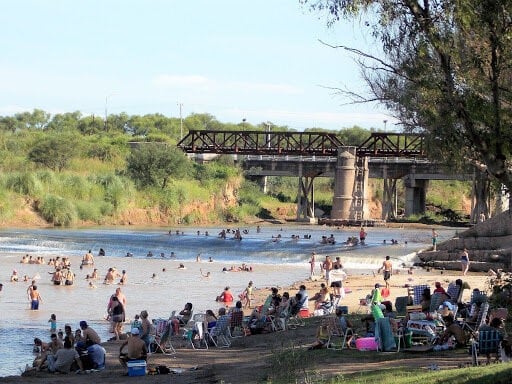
[[327, 266], [137, 349], [35, 298], [30, 288], [387, 268], [88, 259], [89, 335]]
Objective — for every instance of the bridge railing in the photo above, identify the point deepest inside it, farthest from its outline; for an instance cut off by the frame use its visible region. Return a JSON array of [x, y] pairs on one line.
[[259, 142], [379, 144]]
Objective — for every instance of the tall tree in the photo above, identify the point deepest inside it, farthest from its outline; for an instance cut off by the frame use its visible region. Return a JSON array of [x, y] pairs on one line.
[[153, 164], [446, 70]]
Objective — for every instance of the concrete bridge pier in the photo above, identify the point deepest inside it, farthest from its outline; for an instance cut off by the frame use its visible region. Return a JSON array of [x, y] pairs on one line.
[[344, 180], [415, 195], [390, 197]]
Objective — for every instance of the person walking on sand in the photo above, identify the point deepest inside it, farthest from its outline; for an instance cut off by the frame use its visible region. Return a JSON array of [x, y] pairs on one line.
[[327, 266], [435, 235], [312, 262], [464, 262], [387, 268]]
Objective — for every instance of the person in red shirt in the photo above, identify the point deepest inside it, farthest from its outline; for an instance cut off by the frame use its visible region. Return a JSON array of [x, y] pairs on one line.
[[226, 297]]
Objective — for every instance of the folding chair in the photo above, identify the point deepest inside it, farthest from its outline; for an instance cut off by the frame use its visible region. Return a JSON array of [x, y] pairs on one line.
[[488, 343], [417, 291], [236, 325], [294, 320], [197, 336], [337, 337], [455, 292], [161, 337], [219, 335], [435, 301], [473, 327], [364, 303]]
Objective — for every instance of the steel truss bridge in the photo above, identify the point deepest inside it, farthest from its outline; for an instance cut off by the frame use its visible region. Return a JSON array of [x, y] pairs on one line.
[[312, 154]]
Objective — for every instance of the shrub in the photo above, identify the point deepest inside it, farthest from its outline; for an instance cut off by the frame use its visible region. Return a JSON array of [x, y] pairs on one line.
[[24, 184], [57, 210]]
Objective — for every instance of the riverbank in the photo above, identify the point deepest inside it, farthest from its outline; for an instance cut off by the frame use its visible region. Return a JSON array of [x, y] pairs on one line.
[[250, 359]]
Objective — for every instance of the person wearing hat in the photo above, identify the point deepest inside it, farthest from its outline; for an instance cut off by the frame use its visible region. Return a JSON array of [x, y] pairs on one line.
[[136, 349]]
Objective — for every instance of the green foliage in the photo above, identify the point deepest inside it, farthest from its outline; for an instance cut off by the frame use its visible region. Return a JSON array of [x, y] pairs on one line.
[[154, 164], [94, 211], [443, 69], [57, 210], [54, 152], [25, 183], [6, 204]]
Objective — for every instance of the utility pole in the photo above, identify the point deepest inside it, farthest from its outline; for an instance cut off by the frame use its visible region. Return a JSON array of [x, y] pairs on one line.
[[180, 105]]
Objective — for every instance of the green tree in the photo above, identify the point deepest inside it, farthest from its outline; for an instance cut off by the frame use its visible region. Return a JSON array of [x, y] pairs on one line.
[[445, 70], [153, 164], [37, 119], [64, 122], [54, 152]]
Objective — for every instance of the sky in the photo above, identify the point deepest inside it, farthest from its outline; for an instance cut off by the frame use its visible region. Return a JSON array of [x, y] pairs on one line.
[[262, 61]]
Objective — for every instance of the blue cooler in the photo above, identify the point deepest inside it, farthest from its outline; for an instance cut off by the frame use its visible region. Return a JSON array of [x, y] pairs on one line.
[[136, 367]]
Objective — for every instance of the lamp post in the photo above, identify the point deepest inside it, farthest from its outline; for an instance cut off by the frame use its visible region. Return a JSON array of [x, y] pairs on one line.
[[385, 123]]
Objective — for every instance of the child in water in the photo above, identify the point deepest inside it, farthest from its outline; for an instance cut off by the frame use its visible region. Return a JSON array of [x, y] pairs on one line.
[[53, 323]]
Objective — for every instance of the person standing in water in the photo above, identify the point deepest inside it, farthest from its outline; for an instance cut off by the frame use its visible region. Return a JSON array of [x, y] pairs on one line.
[[312, 262], [435, 235]]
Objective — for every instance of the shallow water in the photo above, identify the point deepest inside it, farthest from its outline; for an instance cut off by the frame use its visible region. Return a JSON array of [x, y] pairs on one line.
[[274, 264]]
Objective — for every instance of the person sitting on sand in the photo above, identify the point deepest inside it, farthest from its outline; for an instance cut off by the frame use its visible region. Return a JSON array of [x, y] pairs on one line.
[[452, 331], [136, 349], [89, 335], [226, 297], [321, 297], [62, 361]]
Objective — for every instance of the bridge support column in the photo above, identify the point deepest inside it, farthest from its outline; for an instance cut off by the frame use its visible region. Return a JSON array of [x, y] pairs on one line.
[[344, 180], [389, 200], [415, 195], [306, 197]]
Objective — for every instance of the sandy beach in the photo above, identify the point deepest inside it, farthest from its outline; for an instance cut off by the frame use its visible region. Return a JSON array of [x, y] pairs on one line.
[[233, 364], [171, 287]]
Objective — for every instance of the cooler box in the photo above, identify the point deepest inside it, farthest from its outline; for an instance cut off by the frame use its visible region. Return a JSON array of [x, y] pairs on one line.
[[303, 313], [366, 344], [136, 367]]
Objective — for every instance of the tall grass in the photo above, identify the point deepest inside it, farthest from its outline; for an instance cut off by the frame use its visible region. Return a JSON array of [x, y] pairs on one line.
[[57, 210]]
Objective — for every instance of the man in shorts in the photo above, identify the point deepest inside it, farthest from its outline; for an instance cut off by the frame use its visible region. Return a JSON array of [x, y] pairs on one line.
[[387, 268]]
